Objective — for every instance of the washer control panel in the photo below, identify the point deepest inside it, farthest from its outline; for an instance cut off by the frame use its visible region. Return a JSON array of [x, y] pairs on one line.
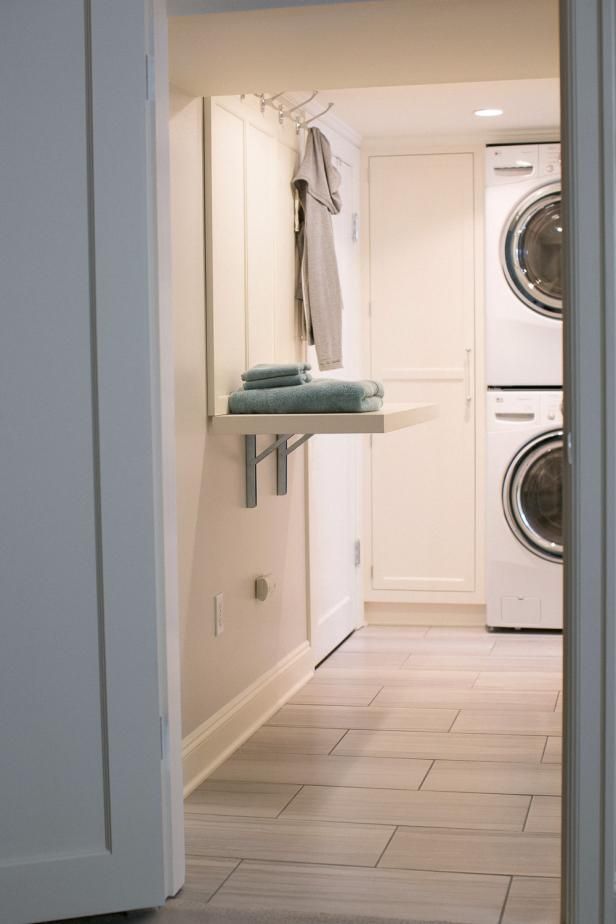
[[526, 407]]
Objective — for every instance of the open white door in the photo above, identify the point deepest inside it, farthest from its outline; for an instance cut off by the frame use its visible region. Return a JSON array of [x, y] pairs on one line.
[[81, 810]]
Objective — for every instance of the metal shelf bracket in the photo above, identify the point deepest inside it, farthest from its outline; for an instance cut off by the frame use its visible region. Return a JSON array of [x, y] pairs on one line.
[[283, 451]]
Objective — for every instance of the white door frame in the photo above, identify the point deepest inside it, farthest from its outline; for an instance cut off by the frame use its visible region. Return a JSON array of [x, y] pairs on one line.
[[588, 53], [588, 93]]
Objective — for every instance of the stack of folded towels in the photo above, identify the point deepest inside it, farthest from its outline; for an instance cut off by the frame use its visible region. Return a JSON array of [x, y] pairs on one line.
[[283, 375], [288, 389]]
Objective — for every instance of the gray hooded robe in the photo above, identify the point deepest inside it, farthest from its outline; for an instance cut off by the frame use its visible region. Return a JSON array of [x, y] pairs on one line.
[[317, 183]]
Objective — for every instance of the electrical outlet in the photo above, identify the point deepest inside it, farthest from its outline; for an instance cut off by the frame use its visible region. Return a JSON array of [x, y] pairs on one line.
[[219, 617]]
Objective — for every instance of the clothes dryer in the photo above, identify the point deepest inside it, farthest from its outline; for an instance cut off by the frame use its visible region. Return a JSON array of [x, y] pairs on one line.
[[523, 228]]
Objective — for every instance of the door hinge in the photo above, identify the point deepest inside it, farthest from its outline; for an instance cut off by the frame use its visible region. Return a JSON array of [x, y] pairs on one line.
[[569, 448], [150, 78], [370, 309], [357, 553], [371, 571], [355, 227], [164, 736]]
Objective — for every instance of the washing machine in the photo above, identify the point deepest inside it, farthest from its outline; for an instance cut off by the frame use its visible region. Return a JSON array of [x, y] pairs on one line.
[[524, 540], [523, 230]]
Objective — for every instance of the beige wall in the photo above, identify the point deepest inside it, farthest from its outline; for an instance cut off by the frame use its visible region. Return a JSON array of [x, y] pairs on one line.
[[222, 545], [377, 44]]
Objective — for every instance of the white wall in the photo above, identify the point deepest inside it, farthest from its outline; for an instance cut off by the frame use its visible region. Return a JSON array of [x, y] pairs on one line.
[[230, 681]]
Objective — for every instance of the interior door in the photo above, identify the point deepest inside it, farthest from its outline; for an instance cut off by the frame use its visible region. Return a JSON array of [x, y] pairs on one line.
[[80, 772], [422, 294], [334, 469]]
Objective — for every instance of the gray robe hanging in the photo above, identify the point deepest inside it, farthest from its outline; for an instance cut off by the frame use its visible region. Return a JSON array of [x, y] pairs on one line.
[[317, 183]]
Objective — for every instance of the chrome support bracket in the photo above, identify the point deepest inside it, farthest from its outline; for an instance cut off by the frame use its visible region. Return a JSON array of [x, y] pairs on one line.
[[283, 451]]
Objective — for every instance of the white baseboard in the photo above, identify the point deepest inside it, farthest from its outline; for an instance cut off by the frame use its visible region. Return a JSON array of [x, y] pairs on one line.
[[428, 614], [209, 745]]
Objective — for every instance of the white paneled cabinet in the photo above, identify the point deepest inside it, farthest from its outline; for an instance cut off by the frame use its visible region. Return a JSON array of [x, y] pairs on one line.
[[424, 494], [250, 243]]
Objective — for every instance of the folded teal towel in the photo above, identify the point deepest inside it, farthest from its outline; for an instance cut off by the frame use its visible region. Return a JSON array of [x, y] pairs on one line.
[[269, 371], [323, 396], [279, 381]]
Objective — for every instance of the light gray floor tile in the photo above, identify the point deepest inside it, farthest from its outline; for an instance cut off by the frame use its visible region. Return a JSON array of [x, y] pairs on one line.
[[256, 800], [286, 840], [434, 745], [405, 807], [470, 851], [319, 770], [509, 722], [383, 717], [544, 816], [533, 901], [270, 739], [375, 892], [476, 776]]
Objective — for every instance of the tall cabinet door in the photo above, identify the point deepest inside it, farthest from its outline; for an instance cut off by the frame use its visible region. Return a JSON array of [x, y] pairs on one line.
[[422, 294]]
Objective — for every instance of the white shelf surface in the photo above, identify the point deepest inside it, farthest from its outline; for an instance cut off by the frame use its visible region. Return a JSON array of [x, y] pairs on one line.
[[391, 417]]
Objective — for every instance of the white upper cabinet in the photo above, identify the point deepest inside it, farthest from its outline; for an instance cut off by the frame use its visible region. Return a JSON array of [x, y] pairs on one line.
[[250, 161], [423, 290]]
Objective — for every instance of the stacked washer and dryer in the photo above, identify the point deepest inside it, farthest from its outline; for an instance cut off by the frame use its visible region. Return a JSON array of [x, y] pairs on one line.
[[524, 377]]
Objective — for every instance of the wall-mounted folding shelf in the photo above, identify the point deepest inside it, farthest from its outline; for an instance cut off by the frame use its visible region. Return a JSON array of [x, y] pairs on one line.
[[284, 426]]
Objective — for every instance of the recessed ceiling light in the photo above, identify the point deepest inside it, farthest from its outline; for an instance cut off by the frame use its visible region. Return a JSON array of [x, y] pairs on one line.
[[488, 113]]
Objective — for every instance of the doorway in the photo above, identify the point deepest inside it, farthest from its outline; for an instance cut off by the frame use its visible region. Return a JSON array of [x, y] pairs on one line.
[[114, 692], [345, 655]]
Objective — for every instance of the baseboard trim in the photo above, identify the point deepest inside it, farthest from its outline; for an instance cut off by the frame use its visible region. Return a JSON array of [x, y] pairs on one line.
[[209, 745], [424, 614]]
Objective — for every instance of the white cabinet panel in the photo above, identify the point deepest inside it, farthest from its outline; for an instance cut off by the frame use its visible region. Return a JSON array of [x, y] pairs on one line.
[[260, 266], [287, 343], [423, 496], [423, 343], [225, 181], [250, 242]]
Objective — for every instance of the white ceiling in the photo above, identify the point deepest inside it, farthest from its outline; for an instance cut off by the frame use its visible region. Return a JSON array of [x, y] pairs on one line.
[[447, 108]]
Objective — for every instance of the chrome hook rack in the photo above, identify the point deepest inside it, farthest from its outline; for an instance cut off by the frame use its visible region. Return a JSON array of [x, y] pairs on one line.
[[291, 114]]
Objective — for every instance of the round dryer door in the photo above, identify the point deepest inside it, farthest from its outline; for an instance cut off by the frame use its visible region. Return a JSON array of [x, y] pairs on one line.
[[531, 251], [532, 495]]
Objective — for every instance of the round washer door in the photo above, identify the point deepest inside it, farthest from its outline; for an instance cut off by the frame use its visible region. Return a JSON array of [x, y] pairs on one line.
[[531, 251], [532, 495]]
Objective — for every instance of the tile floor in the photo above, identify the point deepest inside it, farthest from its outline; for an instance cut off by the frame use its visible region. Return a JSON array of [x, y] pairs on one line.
[[416, 776]]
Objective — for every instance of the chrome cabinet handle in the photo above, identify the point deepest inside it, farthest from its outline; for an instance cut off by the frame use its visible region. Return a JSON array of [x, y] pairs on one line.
[[467, 375]]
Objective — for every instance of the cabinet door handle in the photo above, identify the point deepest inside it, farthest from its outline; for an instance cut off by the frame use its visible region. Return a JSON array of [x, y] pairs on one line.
[[467, 375]]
